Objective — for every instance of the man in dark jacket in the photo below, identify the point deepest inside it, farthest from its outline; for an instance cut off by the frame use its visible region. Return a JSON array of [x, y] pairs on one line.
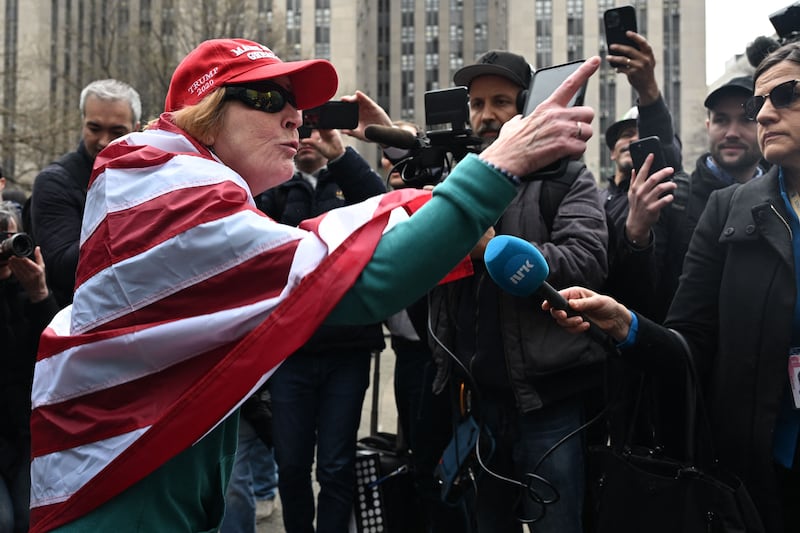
[[109, 109], [318, 392], [733, 157], [631, 223], [26, 306], [529, 377]]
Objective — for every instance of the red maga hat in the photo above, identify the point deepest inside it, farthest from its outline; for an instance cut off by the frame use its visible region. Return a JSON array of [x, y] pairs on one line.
[[219, 62]]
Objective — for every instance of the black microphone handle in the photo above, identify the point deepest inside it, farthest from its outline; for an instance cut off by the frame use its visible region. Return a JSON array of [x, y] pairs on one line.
[[557, 301], [389, 136]]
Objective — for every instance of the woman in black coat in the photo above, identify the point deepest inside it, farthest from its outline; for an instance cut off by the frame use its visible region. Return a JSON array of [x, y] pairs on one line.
[[26, 306], [737, 306]]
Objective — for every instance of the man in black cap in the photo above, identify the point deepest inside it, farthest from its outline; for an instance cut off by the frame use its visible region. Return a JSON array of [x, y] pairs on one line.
[[631, 220], [733, 157], [496, 90], [529, 377]]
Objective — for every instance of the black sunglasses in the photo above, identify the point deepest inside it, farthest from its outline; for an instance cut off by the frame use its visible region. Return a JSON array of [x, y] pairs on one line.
[[782, 96], [268, 97]]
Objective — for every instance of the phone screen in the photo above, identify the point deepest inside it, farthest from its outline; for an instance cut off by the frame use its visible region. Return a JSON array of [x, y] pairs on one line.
[[546, 80]]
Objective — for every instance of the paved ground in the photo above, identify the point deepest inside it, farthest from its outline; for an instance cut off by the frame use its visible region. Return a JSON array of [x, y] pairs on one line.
[[386, 421]]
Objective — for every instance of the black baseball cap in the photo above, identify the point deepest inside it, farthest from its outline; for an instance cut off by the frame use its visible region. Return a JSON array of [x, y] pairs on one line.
[[741, 84], [630, 118], [496, 63]]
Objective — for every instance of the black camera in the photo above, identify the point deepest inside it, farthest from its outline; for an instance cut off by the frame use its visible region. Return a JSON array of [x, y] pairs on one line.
[[786, 22], [18, 244], [428, 159]]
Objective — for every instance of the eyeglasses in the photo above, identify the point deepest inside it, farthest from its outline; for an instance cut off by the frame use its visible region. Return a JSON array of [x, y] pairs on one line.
[[268, 97], [782, 96]]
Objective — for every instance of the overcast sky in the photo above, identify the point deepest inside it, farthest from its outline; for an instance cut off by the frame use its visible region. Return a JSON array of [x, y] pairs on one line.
[[731, 25]]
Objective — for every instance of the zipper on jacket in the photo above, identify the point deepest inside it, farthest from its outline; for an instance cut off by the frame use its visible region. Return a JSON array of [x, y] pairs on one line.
[[785, 222]]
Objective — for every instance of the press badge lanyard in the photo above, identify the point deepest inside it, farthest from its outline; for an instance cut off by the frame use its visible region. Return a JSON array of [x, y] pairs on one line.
[[787, 425]]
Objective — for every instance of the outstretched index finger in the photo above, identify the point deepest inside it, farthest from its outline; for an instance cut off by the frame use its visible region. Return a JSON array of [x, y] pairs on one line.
[[564, 93]]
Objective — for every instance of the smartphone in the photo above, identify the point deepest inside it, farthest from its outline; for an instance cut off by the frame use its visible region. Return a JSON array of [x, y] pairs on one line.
[[617, 21], [543, 83], [332, 115], [649, 145], [546, 80]]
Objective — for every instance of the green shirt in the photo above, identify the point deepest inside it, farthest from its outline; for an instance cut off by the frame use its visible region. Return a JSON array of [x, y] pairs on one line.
[[187, 493]]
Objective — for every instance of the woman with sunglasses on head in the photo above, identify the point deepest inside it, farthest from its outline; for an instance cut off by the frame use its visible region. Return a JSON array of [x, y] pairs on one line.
[[738, 306], [26, 306], [187, 297]]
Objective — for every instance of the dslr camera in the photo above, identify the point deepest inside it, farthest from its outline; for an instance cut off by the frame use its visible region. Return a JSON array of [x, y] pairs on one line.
[[18, 244]]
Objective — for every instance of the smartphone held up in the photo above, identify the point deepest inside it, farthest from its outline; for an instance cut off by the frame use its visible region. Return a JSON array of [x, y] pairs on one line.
[[617, 21], [642, 148]]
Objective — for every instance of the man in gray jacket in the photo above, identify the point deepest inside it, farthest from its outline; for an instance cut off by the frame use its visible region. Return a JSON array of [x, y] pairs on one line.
[[525, 378]]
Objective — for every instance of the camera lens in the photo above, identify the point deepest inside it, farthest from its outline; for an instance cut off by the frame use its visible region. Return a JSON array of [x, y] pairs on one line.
[[19, 244], [612, 19]]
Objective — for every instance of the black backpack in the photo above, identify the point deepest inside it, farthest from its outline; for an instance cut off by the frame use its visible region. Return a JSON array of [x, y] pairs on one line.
[[554, 190]]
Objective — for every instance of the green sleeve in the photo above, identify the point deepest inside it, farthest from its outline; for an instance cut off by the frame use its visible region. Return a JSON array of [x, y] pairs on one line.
[[417, 253]]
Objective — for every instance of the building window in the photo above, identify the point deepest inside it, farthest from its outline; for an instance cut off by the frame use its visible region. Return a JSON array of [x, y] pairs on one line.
[[544, 33], [574, 30], [672, 60], [481, 43]]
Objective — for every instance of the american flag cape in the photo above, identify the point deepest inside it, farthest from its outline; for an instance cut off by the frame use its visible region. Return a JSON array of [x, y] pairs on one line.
[[176, 267]]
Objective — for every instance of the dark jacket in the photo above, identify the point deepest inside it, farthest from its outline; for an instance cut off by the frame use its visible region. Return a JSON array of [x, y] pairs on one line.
[[675, 229], [627, 263], [735, 306], [345, 181], [21, 324], [57, 204], [541, 362]]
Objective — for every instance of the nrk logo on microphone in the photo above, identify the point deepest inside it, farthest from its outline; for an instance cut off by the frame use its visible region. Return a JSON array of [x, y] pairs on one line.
[[519, 275], [516, 265]]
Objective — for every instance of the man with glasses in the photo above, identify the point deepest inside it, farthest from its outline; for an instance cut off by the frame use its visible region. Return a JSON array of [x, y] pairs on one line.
[[109, 109]]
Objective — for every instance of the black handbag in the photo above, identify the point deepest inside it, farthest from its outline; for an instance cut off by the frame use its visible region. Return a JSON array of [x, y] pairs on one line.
[[638, 489]]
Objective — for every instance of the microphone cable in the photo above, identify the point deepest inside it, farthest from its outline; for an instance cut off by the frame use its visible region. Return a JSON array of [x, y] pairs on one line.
[[533, 487]]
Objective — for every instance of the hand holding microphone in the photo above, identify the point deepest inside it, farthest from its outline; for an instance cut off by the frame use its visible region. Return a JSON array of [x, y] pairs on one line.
[[519, 268]]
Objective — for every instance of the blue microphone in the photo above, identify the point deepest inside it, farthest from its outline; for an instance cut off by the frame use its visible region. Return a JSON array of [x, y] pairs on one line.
[[520, 269]]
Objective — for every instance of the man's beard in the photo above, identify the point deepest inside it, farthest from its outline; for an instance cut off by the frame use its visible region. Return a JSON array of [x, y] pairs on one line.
[[493, 126], [746, 160]]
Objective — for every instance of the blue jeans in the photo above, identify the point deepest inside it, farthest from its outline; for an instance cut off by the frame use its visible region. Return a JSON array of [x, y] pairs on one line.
[[317, 400], [520, 442], [265, 471], [240, 496]]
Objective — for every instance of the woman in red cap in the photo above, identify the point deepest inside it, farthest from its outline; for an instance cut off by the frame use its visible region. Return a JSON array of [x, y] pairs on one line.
[[187, 297]]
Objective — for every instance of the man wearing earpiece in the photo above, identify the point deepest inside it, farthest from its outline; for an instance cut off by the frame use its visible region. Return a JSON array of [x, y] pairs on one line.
[[528, 378]]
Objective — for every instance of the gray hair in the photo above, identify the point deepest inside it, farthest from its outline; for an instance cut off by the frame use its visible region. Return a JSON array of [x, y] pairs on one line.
[[113, 90], [8, 212]]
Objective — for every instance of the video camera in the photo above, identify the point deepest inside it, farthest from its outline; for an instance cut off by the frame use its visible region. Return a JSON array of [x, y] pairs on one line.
[[429, 158], [786, 22]]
